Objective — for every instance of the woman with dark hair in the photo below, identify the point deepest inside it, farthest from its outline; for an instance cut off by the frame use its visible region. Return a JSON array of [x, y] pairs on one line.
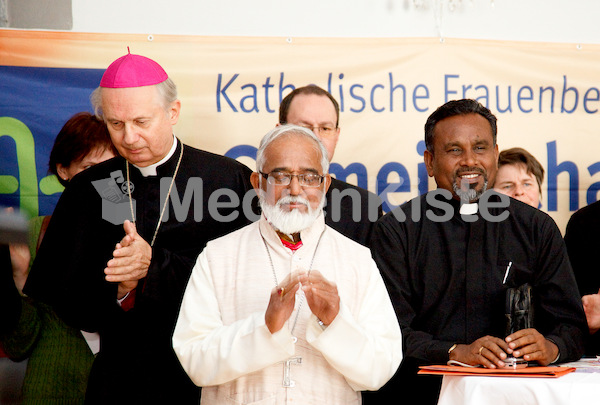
[[81, 143], [59, 358]]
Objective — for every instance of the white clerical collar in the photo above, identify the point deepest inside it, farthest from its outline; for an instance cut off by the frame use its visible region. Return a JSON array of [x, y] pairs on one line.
[[151, 170], [468, 209]]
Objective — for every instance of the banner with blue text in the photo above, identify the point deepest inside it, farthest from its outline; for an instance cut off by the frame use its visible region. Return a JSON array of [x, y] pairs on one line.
[[546, 97]]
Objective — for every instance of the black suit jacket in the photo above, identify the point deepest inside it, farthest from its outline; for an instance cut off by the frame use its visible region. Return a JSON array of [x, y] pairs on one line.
[[351, 210], [583, 241]]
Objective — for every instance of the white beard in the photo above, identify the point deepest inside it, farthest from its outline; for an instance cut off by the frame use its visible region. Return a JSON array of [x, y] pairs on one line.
[[290, 222]]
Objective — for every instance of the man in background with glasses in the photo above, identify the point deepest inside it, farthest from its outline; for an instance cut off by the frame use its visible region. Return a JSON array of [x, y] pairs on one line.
[[287, 309], [349, 209]]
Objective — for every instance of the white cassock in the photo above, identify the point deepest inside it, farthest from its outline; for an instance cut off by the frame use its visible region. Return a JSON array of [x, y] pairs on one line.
[[224, 345]]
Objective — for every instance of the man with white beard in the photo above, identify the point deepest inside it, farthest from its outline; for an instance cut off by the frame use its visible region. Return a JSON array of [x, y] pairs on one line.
[[287, 309]]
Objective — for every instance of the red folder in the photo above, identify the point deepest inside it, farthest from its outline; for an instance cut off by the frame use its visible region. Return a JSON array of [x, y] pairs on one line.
[[546, 372]]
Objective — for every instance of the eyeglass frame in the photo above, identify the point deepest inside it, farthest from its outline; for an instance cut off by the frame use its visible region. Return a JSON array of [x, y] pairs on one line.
[[289, 176], [324, 129]]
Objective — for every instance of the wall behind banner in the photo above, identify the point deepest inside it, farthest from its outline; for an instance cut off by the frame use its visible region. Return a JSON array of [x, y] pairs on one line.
[[574, 21], [546, 97]]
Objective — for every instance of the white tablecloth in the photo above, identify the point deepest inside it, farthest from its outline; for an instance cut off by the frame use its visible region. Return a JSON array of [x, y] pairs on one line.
[[581, 387]]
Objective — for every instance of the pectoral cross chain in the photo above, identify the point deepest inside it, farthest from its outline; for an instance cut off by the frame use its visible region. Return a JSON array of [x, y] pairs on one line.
[[287, 375]]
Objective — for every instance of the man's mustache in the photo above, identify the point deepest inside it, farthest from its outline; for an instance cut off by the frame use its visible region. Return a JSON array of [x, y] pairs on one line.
[[463, 170], [292, 200]]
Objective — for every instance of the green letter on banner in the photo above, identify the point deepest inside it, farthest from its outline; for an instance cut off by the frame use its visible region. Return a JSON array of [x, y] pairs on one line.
[[27, 181]]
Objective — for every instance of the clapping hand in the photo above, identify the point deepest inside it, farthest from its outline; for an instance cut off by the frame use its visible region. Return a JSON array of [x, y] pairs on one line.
[[130, 262], [282, 301], [321, 295]]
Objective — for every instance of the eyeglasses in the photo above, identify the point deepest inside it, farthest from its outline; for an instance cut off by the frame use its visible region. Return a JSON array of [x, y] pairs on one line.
[[284, 179], [322, 129]]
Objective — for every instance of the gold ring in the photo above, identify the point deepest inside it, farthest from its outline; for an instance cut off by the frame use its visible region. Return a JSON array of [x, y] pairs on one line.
[[280, 291], [480, 349]]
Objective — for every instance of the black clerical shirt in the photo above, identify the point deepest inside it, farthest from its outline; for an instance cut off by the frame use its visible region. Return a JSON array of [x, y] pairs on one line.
[[136, 363], [446, 279]]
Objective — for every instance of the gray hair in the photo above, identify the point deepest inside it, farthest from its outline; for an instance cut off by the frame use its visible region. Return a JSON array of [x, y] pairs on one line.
[[167, 92], [290, 129]]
